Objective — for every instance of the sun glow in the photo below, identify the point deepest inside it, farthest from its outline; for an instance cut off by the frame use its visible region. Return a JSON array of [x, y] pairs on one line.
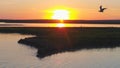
[[60, 14], [60, 25]]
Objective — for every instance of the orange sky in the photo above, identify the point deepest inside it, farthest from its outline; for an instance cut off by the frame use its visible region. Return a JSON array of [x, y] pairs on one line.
[[43, 9]]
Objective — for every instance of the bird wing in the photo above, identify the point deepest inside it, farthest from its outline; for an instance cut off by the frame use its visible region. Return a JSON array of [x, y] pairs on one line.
[[104, 8]]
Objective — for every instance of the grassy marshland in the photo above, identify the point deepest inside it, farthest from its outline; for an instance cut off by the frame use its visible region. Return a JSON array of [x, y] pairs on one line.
[[49, 41]]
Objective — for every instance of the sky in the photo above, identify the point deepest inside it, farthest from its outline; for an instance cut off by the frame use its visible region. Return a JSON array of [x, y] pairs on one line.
[[43, 9]]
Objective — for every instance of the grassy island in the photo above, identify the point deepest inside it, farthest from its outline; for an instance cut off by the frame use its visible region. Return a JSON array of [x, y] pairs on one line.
[[50, 41]]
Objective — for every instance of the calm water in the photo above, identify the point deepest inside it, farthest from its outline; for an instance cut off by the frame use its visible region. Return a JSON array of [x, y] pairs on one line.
[[2, 24], [14, 55]]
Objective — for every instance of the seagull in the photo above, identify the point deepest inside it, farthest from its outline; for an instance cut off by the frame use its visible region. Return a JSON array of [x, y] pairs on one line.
[[102, 9]]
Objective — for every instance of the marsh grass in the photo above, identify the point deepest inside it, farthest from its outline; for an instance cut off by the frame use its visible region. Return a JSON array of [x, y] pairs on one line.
[[49, 41]]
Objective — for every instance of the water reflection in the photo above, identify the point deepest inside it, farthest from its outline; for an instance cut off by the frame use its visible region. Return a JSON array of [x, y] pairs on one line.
[[14, 55], [55, 25], [88, 59]]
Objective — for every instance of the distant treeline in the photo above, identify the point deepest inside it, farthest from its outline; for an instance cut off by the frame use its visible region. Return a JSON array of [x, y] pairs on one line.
[[58, 21]]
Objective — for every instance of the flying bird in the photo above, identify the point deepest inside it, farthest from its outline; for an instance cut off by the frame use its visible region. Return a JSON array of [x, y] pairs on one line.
[[102, 9]]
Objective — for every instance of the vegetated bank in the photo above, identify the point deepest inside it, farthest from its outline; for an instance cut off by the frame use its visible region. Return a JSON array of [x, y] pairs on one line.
[[50, 41]]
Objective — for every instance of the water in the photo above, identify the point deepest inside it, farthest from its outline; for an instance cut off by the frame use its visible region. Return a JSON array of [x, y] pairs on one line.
[[14, 55], [2, 24]]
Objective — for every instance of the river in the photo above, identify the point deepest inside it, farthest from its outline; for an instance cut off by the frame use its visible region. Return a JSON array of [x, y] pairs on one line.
[[2, 24], [14, 55]]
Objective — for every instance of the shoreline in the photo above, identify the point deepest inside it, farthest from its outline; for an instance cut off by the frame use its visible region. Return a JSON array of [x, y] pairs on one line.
[[51, 41], [48, 46]]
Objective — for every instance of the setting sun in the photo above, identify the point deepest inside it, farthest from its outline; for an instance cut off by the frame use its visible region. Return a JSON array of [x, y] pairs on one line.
[[60, 25], [60, 14]]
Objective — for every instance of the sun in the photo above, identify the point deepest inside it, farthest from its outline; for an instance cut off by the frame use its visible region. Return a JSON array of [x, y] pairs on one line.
[[60, 14], [60, 25]]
